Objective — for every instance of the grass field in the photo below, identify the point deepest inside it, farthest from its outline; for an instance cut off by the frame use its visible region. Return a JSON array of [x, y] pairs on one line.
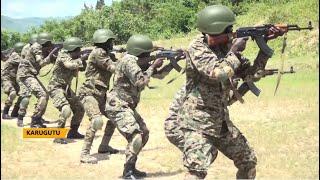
[[283, 130]]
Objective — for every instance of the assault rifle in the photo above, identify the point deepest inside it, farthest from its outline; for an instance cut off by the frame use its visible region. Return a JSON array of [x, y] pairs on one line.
[[259, 34], [172, 55], [270, 72], [245, 87]]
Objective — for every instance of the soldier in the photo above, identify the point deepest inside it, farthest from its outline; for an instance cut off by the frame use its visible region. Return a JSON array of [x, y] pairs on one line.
[[69, 62], [129, 81], [28, 70], [9, 83], [26, 48], [204, 114], [101, 66]]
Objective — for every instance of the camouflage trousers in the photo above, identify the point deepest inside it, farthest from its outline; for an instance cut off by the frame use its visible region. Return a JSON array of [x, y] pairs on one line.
[[31, 85], [130, 124], [11, 88], [172, 129], [94, 106], [198, 148], [67, 99], [174, 133]]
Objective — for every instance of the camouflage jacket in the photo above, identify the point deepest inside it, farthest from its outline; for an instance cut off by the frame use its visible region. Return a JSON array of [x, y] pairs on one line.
[[208, 87], [10, 67], [101, 66], [178, 101], [25, 50], [33, 61], [65, 68], [129, 81]]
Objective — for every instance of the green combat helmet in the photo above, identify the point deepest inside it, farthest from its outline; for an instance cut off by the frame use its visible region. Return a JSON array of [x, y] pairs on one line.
[[18, 47], [103, 35], [33, 38], [138, 44], [44, 37], [215, 19], [72, 43]]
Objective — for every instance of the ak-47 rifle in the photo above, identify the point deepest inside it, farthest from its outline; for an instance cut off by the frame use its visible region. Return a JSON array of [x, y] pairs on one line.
[[270, 72], [172, 55], [259, 34], [245, 87]]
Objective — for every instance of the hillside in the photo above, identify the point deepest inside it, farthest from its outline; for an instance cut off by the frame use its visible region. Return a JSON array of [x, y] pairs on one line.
[[24, 24]]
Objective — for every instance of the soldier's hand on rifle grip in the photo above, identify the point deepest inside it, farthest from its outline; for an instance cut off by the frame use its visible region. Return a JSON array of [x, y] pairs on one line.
[[274, 32], [84, 57], [157, 63], [239, 45]]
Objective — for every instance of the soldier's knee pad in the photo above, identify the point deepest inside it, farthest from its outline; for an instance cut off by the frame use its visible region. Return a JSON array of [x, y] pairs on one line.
[[66, 111], [247, 171], [136, 143], [97, 123], [145, 136], [12, 95], [24, 102]]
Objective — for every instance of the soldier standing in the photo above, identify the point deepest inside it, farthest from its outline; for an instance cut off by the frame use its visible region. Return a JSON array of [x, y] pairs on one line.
[[67, 65], [101, 65], [28, 70], [9, 83], [124, 97], [205, 118]]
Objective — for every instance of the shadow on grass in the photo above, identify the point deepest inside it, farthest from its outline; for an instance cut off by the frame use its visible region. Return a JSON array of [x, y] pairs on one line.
[[152, 149], [164, 174]]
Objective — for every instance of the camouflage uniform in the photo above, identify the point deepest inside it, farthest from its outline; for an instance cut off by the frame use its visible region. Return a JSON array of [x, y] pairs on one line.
[[61, 93], [172, 125], [8, 80], [27, 76], [92, 93], [205, 118], [122, 101]]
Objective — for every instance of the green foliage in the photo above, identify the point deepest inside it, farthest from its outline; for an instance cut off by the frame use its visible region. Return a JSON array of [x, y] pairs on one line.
[[8, 39]]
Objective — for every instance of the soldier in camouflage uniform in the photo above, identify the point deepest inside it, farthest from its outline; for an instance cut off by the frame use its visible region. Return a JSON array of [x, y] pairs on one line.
[[67, 65], [101, 66], [29, 67], [9, 83], [124, 97], [24, 91], [204, 114]]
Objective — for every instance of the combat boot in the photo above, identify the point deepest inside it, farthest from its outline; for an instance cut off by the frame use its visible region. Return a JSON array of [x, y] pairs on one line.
[[36, 122], [44, 121], [128, 172], [74, 134], [14, 112], [85, 153], [107, 149], [5, 112], [86, 158], [20, 121], [60, 141], [137, 173]]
